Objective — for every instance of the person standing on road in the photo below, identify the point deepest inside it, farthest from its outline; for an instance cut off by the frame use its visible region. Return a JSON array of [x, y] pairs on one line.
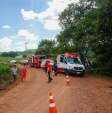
[[46, 63], [14, 72], [23, 72], [49, 70], [55, 68]]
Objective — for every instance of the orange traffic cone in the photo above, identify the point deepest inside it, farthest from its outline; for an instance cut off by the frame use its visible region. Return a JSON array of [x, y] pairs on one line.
[[52, 106], [67, 81]]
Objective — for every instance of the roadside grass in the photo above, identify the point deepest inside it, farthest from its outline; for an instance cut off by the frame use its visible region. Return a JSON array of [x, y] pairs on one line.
[[5, 59], [99, 74], [102, 76], [4, 74]]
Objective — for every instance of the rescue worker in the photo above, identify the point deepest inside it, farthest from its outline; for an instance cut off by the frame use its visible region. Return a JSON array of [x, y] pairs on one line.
[[35, 62], [23, 72], [55, 68], [49, 70], [30, 62], [14, 72], [46, 63]]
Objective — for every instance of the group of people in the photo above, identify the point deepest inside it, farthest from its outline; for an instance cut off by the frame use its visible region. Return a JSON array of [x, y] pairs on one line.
[[22, 72]]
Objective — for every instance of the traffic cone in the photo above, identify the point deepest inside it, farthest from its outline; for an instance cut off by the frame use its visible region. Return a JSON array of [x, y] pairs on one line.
[[52, 106], [67, 81]]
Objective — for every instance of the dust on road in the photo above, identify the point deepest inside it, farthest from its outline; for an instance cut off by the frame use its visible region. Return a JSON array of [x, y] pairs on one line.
[[84, 95]]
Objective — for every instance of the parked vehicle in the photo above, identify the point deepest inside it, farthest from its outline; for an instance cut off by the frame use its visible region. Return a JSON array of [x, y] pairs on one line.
[[45, 61], [70, 63], [35, 60]]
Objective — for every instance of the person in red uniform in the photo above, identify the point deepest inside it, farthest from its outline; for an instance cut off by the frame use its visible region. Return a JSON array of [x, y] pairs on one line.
[[23, 72], [46, 63], [35, 62], [49, 70]]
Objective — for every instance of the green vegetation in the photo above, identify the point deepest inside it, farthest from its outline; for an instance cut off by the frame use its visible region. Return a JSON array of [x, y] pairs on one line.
[[4, 74], [9, 54], [27, 52], [5, 59], [87, 30]]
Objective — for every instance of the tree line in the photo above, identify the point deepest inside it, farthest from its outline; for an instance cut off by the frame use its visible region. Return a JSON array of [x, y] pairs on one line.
[[86, 30]]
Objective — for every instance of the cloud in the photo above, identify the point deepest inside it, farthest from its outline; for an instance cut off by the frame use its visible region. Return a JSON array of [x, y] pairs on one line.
[[46, 14], [48, 17], [20, 46], [55, 7], [59, 5], [5, 44], [51, 24], [26, 34], [17, 42], [6, 26], [28, 15]]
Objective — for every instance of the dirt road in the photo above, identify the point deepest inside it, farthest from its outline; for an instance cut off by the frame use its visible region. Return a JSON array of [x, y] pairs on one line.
[[85, 95]]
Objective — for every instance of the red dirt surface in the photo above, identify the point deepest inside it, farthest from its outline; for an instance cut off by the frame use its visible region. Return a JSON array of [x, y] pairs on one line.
[[84, 95]]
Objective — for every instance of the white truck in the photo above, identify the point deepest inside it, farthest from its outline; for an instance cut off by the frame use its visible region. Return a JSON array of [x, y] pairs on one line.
[[70, 63]]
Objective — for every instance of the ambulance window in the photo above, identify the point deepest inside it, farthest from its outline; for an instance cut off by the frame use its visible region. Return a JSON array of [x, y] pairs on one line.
[[65, 60], [73, 61]]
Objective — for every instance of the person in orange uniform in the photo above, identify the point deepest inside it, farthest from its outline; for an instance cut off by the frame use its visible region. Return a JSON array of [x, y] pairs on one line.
[[46, 63], [35, 62], [49, 70], [23, 72]]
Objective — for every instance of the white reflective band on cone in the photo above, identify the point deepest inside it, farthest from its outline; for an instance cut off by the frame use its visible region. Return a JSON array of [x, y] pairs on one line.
[[52, 105], [51, 97]]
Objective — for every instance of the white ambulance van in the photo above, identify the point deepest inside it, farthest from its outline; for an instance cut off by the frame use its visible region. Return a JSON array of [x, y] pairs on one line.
[[70, 63]]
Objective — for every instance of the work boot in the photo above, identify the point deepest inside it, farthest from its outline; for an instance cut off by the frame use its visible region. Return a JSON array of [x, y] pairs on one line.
[[50, 79]]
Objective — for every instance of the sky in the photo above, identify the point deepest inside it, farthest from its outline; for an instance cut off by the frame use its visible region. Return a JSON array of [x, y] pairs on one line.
[[29, 21]]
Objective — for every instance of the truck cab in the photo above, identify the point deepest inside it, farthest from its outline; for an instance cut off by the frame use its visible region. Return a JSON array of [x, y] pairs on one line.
[[70, 63]]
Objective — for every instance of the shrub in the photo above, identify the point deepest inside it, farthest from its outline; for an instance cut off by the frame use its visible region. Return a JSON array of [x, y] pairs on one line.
[[4, 73]]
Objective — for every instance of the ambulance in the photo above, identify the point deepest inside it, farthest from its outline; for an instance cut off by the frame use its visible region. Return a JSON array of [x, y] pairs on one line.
[[70, 63]]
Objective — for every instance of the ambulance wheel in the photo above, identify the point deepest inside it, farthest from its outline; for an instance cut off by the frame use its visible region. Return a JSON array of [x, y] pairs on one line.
[[82, 74]]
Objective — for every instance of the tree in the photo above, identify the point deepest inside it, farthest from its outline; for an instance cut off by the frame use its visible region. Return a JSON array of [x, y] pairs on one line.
[[87, 30], [103, 46], [78, 25], [9, 54], [45, 47]]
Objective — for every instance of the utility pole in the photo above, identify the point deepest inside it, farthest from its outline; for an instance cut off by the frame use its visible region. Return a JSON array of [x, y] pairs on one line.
[[26, 43]]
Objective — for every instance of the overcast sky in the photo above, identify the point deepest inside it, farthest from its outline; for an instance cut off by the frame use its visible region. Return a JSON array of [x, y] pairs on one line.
[[28, 20]]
